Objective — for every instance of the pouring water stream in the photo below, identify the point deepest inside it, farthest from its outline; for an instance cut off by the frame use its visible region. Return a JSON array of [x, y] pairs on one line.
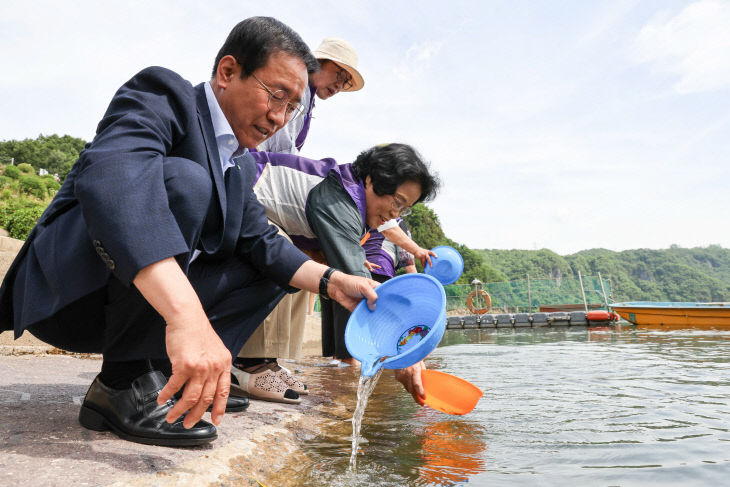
[[370, 373]]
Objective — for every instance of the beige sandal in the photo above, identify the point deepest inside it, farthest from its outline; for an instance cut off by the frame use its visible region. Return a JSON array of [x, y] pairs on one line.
[[287, 378], [263, 384]]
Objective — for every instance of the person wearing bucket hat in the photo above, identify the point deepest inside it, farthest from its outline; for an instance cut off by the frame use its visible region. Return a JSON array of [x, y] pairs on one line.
[[337, 72], [281, 334]]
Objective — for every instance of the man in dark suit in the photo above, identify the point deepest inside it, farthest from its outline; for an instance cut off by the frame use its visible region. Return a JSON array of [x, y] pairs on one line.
[[155, 251]]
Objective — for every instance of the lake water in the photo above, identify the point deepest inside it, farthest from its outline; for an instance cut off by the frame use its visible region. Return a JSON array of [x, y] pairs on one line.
[[560, 406]]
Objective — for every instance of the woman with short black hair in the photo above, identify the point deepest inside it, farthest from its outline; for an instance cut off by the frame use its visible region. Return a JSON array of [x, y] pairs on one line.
[[327, 208]]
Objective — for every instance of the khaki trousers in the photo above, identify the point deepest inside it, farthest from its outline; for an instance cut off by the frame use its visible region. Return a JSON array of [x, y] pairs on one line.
[[281, 334]]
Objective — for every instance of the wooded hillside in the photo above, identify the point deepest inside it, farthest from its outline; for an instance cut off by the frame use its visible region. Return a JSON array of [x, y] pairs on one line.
[[674, 274]]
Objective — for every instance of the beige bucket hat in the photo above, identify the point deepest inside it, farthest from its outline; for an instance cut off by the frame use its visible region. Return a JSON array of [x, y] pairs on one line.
[[343, 54]]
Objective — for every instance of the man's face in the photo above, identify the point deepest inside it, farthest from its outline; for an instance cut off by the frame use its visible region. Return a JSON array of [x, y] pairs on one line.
[[380, 209], [244, 102], [329, 79]]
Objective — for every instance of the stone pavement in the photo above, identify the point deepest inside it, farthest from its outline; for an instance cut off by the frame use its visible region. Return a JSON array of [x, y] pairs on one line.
[[42, 443]]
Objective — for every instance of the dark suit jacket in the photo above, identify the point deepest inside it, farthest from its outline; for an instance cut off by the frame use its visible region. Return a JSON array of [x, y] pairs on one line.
[[112, 216]]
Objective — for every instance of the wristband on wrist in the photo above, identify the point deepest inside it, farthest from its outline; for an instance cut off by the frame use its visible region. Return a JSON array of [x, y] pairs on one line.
[[324, 281]]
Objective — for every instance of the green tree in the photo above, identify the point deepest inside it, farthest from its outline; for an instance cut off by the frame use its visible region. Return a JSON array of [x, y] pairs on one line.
[[11, 172], [54, 153], [22, 221], [51, 183], [58, 162], [425, 227], [23, 198], [25, 168]]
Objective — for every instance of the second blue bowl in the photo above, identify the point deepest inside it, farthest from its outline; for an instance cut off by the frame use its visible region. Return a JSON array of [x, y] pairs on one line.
[[448, 265]]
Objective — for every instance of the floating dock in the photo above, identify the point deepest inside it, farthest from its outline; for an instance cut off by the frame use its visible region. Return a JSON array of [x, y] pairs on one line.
[[531, 320]]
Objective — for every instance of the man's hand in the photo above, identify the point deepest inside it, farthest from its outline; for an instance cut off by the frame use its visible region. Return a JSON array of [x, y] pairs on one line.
[[200, 361], [410, 377], [202, 364], [349, 290]]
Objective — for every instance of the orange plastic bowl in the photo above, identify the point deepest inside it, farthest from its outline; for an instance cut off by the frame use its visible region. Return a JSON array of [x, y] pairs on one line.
[[448, 393]]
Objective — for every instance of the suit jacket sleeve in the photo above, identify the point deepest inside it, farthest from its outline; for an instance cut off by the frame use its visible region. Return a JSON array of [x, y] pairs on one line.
[[260, 243], [120, 185]]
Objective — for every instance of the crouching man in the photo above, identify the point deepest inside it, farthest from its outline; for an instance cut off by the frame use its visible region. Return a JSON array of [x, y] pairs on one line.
[[155, 251]]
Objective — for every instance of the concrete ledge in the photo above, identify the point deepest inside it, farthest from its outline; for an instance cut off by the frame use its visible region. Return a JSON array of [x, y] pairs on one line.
[[26, 344], [10, 245], [232, 464]]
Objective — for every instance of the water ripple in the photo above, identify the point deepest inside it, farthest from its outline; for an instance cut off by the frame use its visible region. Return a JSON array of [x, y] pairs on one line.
[[560, 406]]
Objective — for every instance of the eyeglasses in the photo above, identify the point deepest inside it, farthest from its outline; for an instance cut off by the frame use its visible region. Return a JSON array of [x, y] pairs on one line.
[[280, 99], [344, 79], [400, 206]]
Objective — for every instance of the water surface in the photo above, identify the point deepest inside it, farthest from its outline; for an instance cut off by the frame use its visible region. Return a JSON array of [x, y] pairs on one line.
[[588, 407]]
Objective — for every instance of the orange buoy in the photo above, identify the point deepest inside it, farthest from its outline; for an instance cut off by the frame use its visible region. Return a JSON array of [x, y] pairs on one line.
[[598, 316], [487, 302]]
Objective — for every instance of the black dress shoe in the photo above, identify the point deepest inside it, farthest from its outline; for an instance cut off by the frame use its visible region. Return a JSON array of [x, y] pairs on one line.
[[133, 414], [234, 404]]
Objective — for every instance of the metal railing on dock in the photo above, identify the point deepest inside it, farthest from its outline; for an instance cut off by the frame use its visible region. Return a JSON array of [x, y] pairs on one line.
[[523, 320]]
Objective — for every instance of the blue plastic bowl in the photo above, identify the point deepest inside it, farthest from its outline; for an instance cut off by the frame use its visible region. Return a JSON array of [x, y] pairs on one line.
[[407, 324], [447, 265]]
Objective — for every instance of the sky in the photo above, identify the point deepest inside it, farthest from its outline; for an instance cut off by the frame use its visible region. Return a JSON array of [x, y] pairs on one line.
[[565, 125]]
